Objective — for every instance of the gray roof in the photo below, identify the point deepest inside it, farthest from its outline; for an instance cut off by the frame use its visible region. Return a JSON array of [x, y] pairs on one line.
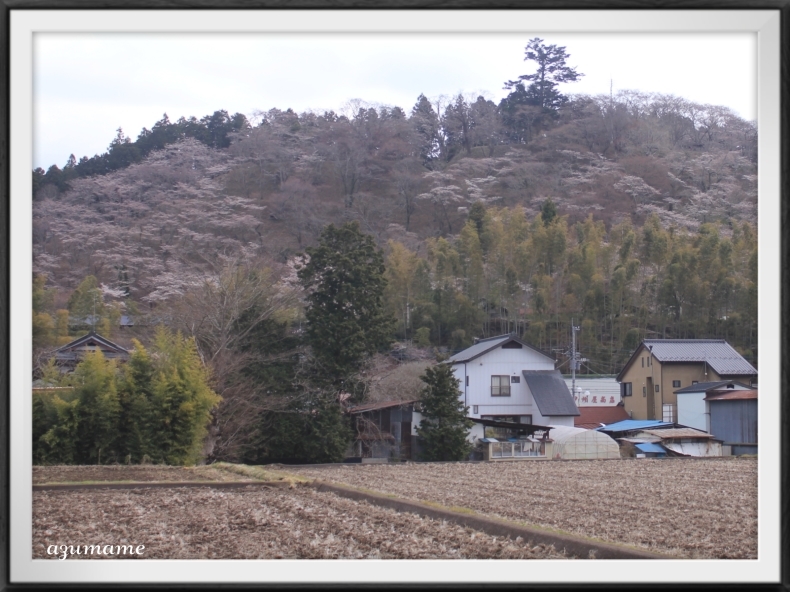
[[486, 345], [73, 351], [716, 352], [551, 393], [702, 387]]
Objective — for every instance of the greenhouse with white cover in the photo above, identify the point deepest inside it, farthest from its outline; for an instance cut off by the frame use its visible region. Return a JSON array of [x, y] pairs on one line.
[[578, 443]]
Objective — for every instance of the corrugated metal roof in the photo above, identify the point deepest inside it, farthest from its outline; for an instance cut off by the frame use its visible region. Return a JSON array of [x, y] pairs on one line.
[[731, 395], [486, 345], [634, 424], [650, 447], [716, 352], [673, 433], [550, 392]]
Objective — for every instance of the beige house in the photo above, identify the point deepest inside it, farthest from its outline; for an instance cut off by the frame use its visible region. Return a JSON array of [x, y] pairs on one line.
[[659, 367]]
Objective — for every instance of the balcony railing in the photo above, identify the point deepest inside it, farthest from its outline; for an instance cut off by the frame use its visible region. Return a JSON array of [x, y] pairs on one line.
[[521, 448]]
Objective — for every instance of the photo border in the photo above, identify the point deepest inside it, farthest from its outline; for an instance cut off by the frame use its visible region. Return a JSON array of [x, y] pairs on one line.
[[773, 180]]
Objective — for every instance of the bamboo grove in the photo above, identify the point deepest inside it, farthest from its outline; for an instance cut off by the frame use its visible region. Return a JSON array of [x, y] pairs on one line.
[[506, 273]]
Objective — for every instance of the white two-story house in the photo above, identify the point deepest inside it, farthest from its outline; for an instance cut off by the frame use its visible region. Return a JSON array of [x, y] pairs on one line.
[[506, 379]]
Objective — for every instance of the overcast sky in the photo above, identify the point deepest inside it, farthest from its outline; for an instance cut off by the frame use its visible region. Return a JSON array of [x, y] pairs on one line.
[[86, 86]]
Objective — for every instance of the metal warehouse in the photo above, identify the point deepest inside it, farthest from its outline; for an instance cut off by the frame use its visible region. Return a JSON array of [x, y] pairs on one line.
[[733, 419]]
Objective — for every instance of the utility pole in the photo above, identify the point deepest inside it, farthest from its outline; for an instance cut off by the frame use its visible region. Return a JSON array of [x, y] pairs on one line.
[[574, 362]]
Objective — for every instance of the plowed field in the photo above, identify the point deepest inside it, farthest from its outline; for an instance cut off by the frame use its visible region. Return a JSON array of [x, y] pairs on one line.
[[694, 508], [256, 523]]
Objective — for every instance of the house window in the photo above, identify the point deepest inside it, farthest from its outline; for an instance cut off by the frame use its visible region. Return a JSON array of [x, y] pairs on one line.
[[644, 391], [515, 379], [474, 409], [669, 413], [675, 384], [657, 387], [467, 381], [643, 361], [695, 382], [626, 389], [500, 386]]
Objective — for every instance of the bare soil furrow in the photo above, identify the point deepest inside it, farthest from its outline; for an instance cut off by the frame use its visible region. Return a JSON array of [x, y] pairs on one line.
[[298, 523], [696, 508]]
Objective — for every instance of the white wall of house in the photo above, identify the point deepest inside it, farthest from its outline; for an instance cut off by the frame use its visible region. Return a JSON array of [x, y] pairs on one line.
[[595, 392], [475, 384], [693, 411], [477, 431]]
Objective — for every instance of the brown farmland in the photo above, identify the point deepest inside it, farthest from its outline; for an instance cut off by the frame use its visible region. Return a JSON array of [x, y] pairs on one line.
[[256, 523], [692, 508]]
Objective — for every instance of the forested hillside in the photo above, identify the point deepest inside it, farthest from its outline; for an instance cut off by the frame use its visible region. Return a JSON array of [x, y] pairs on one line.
[[634, 214]]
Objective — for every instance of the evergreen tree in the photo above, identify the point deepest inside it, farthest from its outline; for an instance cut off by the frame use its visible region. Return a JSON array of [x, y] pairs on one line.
[[344, 276], [552, 70], [313, 430], [548, 211], [444, 427], [426, 124]]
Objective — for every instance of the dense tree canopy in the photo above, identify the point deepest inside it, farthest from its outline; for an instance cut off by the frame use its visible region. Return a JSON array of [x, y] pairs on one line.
[[156, 408], [346, 320]]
